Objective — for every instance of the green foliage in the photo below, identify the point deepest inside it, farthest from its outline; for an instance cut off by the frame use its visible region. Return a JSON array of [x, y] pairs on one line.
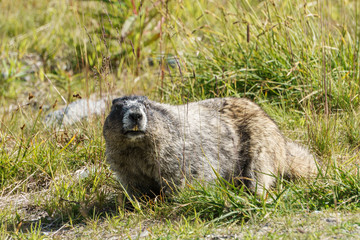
[[11, 70], [221, 202], [339, 189], [224, 202], [81, 196], [277, 50]]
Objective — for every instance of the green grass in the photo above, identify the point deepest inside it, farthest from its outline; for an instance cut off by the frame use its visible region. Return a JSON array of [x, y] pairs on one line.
[[299, 61]]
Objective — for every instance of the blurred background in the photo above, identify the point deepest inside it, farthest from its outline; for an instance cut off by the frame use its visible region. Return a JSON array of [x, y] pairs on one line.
[[286, 51]]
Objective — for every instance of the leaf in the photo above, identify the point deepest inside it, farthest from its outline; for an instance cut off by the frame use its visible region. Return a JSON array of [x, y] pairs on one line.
[[128, 24]]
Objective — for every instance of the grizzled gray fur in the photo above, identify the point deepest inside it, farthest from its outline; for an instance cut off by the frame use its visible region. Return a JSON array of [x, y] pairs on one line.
[[153, 147]]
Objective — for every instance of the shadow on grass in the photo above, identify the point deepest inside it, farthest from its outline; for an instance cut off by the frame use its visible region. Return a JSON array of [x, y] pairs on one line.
[[70, 214]]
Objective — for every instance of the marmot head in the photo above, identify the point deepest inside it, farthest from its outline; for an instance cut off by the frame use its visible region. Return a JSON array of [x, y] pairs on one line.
[[127, 118]]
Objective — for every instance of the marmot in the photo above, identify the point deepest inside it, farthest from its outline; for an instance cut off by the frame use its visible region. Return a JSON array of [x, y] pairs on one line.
[[153, 147]]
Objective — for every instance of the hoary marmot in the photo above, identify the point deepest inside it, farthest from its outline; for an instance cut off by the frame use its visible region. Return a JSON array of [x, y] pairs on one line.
[[153, 147]]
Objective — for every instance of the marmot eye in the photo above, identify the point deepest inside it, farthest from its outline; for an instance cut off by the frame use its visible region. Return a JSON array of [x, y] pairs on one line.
[[117, 107]]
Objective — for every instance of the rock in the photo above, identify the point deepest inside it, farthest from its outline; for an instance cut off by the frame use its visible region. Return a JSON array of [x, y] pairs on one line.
[[76, 111]]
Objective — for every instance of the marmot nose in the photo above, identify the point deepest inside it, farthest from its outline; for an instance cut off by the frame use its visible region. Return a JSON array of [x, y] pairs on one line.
[[136, 117]]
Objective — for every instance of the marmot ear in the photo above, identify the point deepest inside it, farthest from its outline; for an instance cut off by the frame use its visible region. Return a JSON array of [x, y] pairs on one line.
[[115, 100]]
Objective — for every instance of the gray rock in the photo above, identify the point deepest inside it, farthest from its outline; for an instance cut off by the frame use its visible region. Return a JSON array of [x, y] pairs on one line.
[[75, 112]]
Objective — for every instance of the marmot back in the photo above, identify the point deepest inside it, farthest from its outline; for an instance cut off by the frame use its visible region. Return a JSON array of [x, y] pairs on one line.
[[153, 147]]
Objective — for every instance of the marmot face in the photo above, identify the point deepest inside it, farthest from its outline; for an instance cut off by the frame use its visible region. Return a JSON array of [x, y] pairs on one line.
[[130, 115]]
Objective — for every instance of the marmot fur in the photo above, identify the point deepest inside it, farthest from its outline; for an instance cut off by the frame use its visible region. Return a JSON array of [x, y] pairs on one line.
[[152, 147]]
